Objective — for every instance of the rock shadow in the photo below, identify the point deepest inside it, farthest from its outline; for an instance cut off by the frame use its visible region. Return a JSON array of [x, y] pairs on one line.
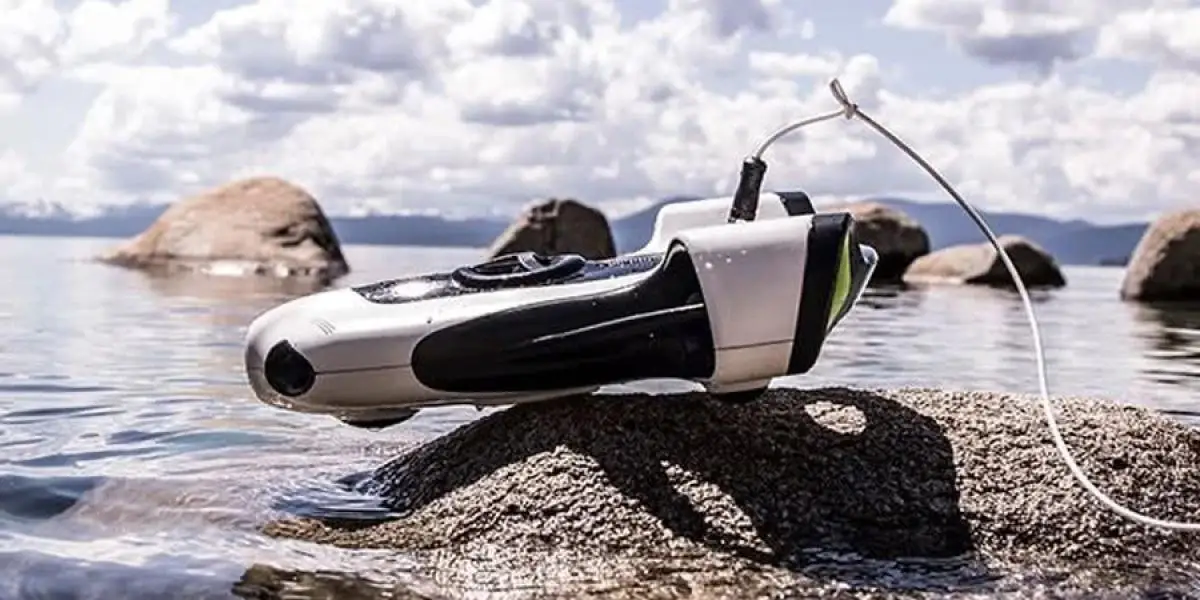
[[886, 491], [782, 481]]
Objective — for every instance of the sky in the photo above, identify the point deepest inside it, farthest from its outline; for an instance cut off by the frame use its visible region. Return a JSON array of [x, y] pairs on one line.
[[1067, 108]]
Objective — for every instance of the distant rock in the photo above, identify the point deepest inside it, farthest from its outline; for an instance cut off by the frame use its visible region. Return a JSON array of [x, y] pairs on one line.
[[980, 264], [558, 226], [897, 238], [257, 226], [1071, 242], [1166, 264], [661, 482]]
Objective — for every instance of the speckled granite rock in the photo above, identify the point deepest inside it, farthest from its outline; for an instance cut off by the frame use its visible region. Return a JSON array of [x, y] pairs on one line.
[[980, 264], [558, 226], [1165, 266], [751, 491], [254, 226]]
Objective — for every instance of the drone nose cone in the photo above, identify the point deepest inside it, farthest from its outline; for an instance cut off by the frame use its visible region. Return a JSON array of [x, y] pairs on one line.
[[290, 346], [275, 366]]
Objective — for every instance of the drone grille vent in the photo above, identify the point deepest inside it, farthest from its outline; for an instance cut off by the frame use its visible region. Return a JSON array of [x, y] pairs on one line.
[[325, 326]]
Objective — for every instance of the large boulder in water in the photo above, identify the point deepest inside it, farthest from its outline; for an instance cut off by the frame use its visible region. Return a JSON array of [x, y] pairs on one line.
[[261, 225], [898, 238], [980, 264], [748, 497], [1166, 263], [558, 226]]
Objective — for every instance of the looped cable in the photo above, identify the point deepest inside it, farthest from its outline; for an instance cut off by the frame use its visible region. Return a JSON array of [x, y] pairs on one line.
[[851, 110]]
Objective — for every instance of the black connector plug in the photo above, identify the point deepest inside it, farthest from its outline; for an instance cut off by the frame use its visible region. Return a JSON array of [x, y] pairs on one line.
[[745, 199]]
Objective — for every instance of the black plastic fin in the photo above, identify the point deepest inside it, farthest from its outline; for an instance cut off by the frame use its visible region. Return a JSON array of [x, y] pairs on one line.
[[825, 241], [797, 203]]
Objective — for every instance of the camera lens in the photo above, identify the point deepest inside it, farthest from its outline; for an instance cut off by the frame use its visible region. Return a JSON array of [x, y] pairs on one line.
[[287, 371]]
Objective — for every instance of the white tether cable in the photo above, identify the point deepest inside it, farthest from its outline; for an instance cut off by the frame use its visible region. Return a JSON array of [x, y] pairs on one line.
[[850, 110]]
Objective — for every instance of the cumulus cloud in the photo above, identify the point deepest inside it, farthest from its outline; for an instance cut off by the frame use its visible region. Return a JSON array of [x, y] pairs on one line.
[[107, 31], [29, 36], [151, 128], [481, 105], [13, 171], [1163, 35], [1045, 33], [38, 40], [326, 43], [1041, 33]]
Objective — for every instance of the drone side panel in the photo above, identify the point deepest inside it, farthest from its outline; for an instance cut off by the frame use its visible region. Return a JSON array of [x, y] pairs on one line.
[[752, 277]]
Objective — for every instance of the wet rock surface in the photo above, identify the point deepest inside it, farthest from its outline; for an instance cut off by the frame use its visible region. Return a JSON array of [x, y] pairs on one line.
[[695, 498], [980, 264], [898, 238], [1165, 266], [256, 226], [558, 226]]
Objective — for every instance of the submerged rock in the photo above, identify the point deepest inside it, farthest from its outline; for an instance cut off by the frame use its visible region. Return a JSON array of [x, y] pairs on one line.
[[1166, 263], [898, 238], [980, 264], [558, 226], [745, 494], [257, 226]]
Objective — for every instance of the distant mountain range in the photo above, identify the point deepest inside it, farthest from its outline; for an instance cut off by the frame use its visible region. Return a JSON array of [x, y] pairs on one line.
[[1070, 242], [128, 221], [1074, 242]]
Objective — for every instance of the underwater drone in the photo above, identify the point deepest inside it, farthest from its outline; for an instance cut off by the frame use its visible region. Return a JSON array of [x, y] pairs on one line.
[[526, 327]]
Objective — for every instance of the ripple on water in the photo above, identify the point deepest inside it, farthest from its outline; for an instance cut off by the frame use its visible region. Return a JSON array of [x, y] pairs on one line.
[[51, 388], [40, 575], [32, 498], [78, 460], [341, 499], [46, 413]]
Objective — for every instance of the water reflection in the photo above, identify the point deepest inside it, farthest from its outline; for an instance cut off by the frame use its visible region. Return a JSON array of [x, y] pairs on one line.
[[266, 581], [209, 289], [969, 337], [1172, 336], [883, 298], [45, 576], [1037, 295]]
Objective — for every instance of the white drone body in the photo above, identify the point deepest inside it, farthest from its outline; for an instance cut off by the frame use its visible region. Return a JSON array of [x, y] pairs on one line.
[[730, 305]]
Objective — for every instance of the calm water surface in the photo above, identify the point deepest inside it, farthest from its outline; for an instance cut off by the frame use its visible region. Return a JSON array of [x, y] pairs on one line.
[[131, 451]]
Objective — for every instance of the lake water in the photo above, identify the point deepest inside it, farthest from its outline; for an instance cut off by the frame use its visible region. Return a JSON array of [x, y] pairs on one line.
[[132, 454]]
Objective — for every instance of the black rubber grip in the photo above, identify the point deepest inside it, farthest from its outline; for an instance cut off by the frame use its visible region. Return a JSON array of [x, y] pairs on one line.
[[745, 199]]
